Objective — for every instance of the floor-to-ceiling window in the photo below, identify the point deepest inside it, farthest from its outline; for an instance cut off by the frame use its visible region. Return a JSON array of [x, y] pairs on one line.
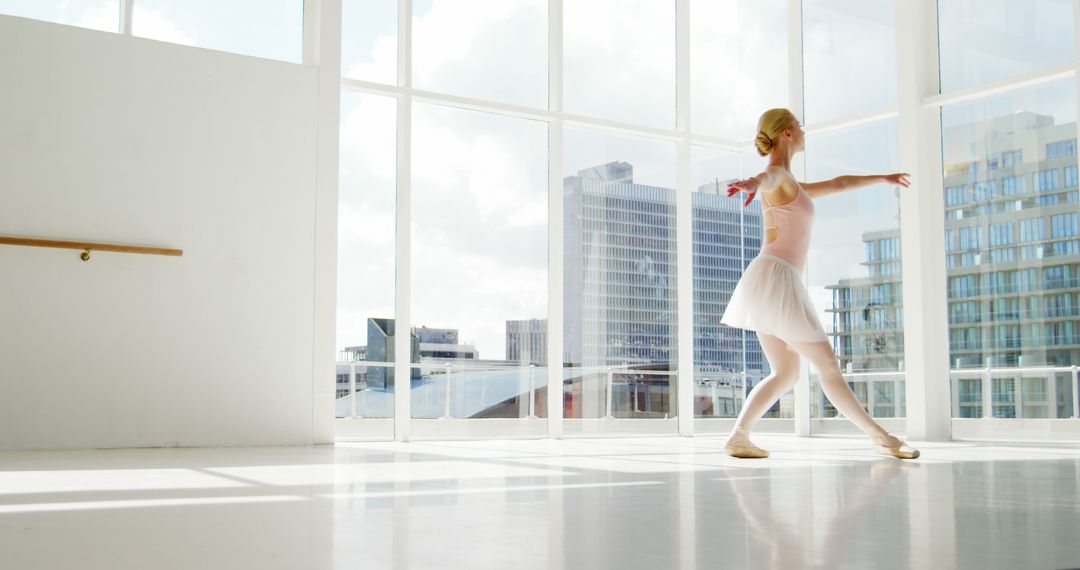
[[1013, 250], [620, 336], [479, 263], [365, 270], [739, 68], [367, 190], [854, 269]]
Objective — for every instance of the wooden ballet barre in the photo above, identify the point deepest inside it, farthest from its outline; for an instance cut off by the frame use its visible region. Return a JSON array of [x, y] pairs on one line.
[[87, 246]]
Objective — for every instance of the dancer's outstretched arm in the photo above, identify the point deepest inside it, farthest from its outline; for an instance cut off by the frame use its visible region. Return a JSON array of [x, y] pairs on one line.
[[846, 183], [763, 181]]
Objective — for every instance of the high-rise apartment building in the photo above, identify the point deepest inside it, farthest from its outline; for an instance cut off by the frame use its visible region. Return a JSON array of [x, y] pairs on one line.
[[1013, 269]]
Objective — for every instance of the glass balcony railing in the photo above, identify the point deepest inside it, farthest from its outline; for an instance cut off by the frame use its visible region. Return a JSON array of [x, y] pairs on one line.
[[881, 394], [1019, 392], [459, 391]]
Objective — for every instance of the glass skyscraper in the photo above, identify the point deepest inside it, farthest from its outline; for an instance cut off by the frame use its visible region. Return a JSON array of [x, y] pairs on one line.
[[620, 275]]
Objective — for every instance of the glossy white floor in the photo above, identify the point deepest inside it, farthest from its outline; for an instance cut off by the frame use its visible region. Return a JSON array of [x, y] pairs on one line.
[[652, 503]]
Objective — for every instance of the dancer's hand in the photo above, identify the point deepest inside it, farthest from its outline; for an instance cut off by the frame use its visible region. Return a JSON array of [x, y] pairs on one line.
[[898, 179], [750, 186]]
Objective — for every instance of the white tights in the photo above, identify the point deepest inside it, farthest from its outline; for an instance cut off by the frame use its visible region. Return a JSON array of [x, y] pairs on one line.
[[785, 371]]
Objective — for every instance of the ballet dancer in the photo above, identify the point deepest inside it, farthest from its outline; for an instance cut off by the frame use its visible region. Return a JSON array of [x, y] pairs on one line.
[[771, 297]]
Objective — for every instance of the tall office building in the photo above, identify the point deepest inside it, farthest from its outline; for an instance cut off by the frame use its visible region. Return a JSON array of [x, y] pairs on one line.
[[1013, 267], [620, 272]]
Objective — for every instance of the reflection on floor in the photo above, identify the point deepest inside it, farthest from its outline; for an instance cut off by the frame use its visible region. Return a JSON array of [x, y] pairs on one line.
[[652, 503]]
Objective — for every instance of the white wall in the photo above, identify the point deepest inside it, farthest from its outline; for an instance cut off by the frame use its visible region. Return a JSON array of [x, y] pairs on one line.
[[118, 139]]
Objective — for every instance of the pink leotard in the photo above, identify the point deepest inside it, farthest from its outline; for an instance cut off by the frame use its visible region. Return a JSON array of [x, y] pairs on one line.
[[794, 221]]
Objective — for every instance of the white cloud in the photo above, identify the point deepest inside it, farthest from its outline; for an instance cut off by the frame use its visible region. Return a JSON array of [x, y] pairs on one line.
[[619, 60], [105, 17], [382, 65], [148, 24], [490, 49], [849, 59], [739, 64], [480, 223]]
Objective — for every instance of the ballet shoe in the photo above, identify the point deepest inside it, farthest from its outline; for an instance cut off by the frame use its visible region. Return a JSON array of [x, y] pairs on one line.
[[750, 451], [900, 451], [745, 449]]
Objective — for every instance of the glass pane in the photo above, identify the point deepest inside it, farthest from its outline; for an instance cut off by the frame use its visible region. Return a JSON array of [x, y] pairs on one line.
[[728, 362], [272, 29], [449, 390], [853, 268], [365, 285], [619, 244], [982, 41], [849, 57], [1063, 394], [489, 49], [967, 395], [739, 54], [369, 40], [479, 304], [1036, 400], [101, 15], [620, 60], [1004, 397], [1013, 246]]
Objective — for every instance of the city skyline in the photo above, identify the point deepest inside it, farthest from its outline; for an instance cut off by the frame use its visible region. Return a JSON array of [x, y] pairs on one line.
[[652, 208]]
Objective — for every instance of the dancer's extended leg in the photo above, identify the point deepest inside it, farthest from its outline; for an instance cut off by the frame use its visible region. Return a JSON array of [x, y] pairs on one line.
[[785, 371], [823, 359]]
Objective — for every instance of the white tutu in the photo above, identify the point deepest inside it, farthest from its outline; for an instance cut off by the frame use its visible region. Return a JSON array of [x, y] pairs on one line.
[[771, 298]]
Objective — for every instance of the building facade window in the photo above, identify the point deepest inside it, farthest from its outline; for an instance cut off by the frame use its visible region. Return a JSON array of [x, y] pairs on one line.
[[1014, 185], [1012, 158], [1061, 148], [970, 238], [1001, 234], [1063, 226], [984, 190], [955, 196], [1047, 180], [1032, 229]]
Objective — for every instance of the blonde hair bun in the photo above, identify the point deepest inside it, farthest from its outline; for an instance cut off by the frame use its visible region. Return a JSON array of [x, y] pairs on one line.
[[770, 126], [763, 143]]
